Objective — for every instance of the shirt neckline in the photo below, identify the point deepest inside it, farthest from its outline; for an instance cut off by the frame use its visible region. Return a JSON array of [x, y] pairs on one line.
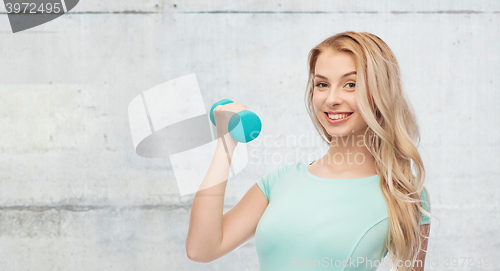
[[310, 176]]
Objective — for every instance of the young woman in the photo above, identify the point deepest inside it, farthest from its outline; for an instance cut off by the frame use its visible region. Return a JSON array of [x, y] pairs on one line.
[[347, 210]]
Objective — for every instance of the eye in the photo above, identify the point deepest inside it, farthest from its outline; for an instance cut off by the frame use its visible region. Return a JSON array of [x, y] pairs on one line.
[[319, 84], [353, 85]]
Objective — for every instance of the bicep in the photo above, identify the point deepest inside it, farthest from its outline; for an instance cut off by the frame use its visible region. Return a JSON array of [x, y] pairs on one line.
[[239, 223]]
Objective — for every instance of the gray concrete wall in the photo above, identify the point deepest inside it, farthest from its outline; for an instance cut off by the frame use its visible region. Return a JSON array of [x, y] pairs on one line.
[[74, 195]]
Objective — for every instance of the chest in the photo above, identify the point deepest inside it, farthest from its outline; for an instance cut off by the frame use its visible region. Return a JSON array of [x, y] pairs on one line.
[[323, 220]]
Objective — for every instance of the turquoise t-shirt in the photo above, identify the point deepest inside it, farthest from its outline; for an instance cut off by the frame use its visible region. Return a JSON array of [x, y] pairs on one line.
[[313, 222]]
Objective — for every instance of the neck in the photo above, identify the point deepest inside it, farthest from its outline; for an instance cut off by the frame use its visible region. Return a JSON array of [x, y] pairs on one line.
[[349, 153]]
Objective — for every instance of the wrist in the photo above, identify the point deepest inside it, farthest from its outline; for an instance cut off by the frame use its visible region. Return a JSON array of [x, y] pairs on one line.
[[226, 147]]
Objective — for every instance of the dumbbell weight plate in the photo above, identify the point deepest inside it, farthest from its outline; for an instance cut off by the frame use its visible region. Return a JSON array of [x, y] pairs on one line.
[[244, 126]]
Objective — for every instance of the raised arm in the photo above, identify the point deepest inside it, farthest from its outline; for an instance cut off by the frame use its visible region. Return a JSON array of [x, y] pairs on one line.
[[211, 233]]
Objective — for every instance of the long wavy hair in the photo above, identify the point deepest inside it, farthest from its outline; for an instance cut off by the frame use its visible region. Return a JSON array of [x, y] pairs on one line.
[[392, 135]]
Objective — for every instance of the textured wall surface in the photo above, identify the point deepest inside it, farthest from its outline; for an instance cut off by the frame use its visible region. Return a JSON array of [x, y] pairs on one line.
[[74, 195]]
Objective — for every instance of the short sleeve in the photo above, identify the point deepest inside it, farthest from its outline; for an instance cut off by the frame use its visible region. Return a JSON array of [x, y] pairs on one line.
[[267, 181], [426, 204]]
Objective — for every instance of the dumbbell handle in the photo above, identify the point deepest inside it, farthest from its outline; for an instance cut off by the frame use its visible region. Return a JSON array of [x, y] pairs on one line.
[[221, 102], [244, 126]]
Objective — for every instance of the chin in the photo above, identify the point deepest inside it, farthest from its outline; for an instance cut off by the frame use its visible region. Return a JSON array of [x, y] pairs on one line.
[[340, 133]]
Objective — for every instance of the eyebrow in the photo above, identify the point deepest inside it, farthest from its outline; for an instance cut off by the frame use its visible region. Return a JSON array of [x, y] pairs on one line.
[[345, 75]]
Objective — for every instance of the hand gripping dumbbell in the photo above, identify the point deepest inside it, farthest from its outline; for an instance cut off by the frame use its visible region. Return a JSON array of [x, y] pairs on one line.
[[243, 126]]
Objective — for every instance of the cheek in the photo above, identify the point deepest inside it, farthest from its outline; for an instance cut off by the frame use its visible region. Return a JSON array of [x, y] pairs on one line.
[[353, 103], [355, 107], [316, 101]]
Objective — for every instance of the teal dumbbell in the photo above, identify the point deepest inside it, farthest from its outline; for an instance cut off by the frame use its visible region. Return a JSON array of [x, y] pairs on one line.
[[244, 126]]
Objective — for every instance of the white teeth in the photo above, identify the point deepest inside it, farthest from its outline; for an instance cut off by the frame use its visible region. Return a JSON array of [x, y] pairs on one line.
[[337, 116]]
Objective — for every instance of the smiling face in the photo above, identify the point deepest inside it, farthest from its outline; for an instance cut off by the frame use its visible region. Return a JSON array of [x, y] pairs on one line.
[[334, 92]]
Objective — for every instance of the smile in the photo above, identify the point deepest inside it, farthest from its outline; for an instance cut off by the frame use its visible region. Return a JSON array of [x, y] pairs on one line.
[[338, 118]]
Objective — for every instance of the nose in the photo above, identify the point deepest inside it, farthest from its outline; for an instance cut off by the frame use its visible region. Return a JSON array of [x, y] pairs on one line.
[[334, 97]]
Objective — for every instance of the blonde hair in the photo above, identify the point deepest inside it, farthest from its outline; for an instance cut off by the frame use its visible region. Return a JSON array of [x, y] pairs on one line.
[[392, 135]]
